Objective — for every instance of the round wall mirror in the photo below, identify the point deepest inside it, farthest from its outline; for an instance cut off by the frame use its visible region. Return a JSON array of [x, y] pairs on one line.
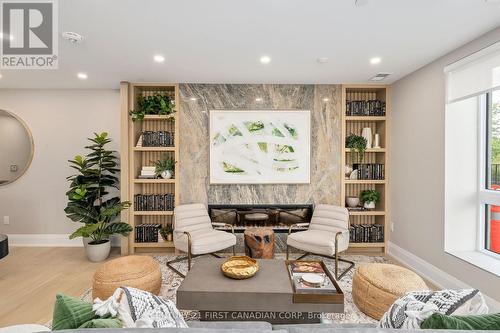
[[16, 147]]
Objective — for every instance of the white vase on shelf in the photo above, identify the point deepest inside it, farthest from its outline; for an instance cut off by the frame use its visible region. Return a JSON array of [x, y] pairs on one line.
[[167, 174], [367, 134], [376, 141]]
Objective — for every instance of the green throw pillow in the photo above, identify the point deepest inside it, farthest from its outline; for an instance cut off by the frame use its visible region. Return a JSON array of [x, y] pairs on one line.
[[103, 323], [472, 322], [71, 313]]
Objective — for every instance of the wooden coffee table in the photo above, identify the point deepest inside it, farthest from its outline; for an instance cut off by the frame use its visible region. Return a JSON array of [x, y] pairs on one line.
[[268, 296]]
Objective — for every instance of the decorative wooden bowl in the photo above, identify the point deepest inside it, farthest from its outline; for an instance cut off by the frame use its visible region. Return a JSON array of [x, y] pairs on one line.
[[240, 267]]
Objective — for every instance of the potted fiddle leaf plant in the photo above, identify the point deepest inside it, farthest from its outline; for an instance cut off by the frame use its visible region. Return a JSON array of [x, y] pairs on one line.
[[164, 168], [156, 104], [90, 200], [370, 198]]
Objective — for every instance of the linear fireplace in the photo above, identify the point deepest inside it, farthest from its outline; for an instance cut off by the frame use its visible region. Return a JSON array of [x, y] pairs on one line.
[[278, 217]]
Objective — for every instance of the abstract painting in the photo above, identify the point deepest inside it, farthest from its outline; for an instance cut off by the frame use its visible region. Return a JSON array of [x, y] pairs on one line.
[[260, 147]]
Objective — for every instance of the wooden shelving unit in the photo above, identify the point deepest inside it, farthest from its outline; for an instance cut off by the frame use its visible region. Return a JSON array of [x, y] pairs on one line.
[[380, 125], [133, 158]]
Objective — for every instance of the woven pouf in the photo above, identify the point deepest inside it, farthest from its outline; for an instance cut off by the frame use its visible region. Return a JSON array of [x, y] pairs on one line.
[[141, 272], [376, 286]]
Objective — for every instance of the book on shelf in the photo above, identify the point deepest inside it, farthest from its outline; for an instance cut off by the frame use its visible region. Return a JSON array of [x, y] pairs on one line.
[[156, 139], [365, 108], [154, 202], [370, 171], [366, 233], [147, 233]]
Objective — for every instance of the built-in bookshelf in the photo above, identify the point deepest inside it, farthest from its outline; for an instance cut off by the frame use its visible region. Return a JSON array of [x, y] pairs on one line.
[[374, 114], [135, 156]]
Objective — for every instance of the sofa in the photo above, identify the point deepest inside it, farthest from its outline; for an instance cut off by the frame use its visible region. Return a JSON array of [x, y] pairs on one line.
[[245, 327]]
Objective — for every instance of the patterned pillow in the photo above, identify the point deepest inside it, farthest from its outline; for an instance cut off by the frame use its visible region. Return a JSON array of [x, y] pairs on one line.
[[410, 310]]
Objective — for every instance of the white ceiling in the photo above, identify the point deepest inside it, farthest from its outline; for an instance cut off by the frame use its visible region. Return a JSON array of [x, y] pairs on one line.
[[221, 41]]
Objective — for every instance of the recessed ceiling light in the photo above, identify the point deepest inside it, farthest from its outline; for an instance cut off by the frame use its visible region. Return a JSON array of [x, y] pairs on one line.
[[326, 99], [193, 99], [375, 60], [82, 76], [73, 37], [258, 99], [322, 60], [265, 59], [159, 58]]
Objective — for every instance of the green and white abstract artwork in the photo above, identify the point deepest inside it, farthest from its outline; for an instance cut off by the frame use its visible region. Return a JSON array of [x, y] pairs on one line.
[[260, 147]]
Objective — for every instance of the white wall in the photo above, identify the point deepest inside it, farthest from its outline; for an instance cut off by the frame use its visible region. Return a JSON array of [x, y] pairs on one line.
[[417, 170], [60, 121]]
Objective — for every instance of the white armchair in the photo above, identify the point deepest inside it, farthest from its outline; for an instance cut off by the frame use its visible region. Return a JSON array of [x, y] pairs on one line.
[[327, 235], [195, 235]]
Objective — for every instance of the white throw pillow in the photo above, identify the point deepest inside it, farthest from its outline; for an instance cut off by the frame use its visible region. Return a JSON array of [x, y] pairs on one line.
[[409, 311]]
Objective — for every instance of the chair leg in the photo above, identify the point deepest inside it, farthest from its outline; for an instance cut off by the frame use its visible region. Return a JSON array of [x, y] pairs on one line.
[[287, 252], [234, 250]]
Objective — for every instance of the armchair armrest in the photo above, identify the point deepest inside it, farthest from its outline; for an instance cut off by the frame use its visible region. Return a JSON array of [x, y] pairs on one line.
[[221, 224], [295, 225]]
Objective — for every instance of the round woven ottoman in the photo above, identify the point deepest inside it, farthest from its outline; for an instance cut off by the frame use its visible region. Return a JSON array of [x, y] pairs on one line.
[[376, 286], [141, 272]]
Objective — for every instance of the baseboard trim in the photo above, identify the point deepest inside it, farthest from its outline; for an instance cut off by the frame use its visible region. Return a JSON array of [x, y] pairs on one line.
[[49, 240], [434, 275]]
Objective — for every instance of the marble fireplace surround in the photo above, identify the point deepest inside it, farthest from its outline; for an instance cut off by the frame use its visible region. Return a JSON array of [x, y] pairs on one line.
[[324, 102]]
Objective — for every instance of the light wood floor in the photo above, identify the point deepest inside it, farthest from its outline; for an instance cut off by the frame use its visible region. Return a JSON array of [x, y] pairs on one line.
[[30, 278]]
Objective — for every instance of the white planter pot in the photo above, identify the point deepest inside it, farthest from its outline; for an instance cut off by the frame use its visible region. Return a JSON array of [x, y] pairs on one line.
[[352, 201], [98, 252], [167, 174], [369, 205], [86, 241]]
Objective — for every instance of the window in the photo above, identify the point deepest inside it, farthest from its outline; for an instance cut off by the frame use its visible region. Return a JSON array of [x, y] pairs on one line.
[[472, 159], [492, 212]]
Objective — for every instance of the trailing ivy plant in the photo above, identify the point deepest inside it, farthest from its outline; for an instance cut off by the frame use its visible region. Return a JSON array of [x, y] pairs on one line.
[[357, 144], [156, 104], [89, 201]]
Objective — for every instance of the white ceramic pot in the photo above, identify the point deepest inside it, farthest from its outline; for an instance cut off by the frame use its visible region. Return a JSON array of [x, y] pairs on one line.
[[352, 201], [98, 252], [167, 174], [86, 241], [369, 205]]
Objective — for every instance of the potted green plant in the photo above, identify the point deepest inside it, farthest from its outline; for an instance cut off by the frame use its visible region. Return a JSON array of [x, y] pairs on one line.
[[370, 198], [164, 168], [157, 104], [357, 144], [167, 232], [90, 201]]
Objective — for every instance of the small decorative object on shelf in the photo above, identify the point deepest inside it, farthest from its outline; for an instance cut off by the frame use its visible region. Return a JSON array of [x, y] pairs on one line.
[[357, 144], [376, 141], [156, 104], [167, 233], [366, 133], [146, 233], [148, 172], [154, 202], [239, 267], [352, 202], [365, 108], [370, 198], [366, 233], [164, 168]]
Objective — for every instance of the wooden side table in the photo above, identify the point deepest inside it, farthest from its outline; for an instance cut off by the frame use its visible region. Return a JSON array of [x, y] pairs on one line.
[[259, 243], [4, 246]]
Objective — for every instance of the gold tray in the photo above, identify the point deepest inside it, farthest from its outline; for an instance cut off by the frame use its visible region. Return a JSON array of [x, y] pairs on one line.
[[239, 267]]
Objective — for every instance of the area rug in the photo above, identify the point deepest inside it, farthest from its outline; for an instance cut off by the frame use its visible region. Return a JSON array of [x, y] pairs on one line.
[[351, 314]]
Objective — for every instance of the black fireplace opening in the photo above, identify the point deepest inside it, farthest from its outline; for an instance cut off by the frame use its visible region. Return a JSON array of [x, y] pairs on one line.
[[278, 217]]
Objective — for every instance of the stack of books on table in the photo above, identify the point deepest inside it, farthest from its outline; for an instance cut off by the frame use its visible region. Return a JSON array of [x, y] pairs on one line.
[[147, 172]]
